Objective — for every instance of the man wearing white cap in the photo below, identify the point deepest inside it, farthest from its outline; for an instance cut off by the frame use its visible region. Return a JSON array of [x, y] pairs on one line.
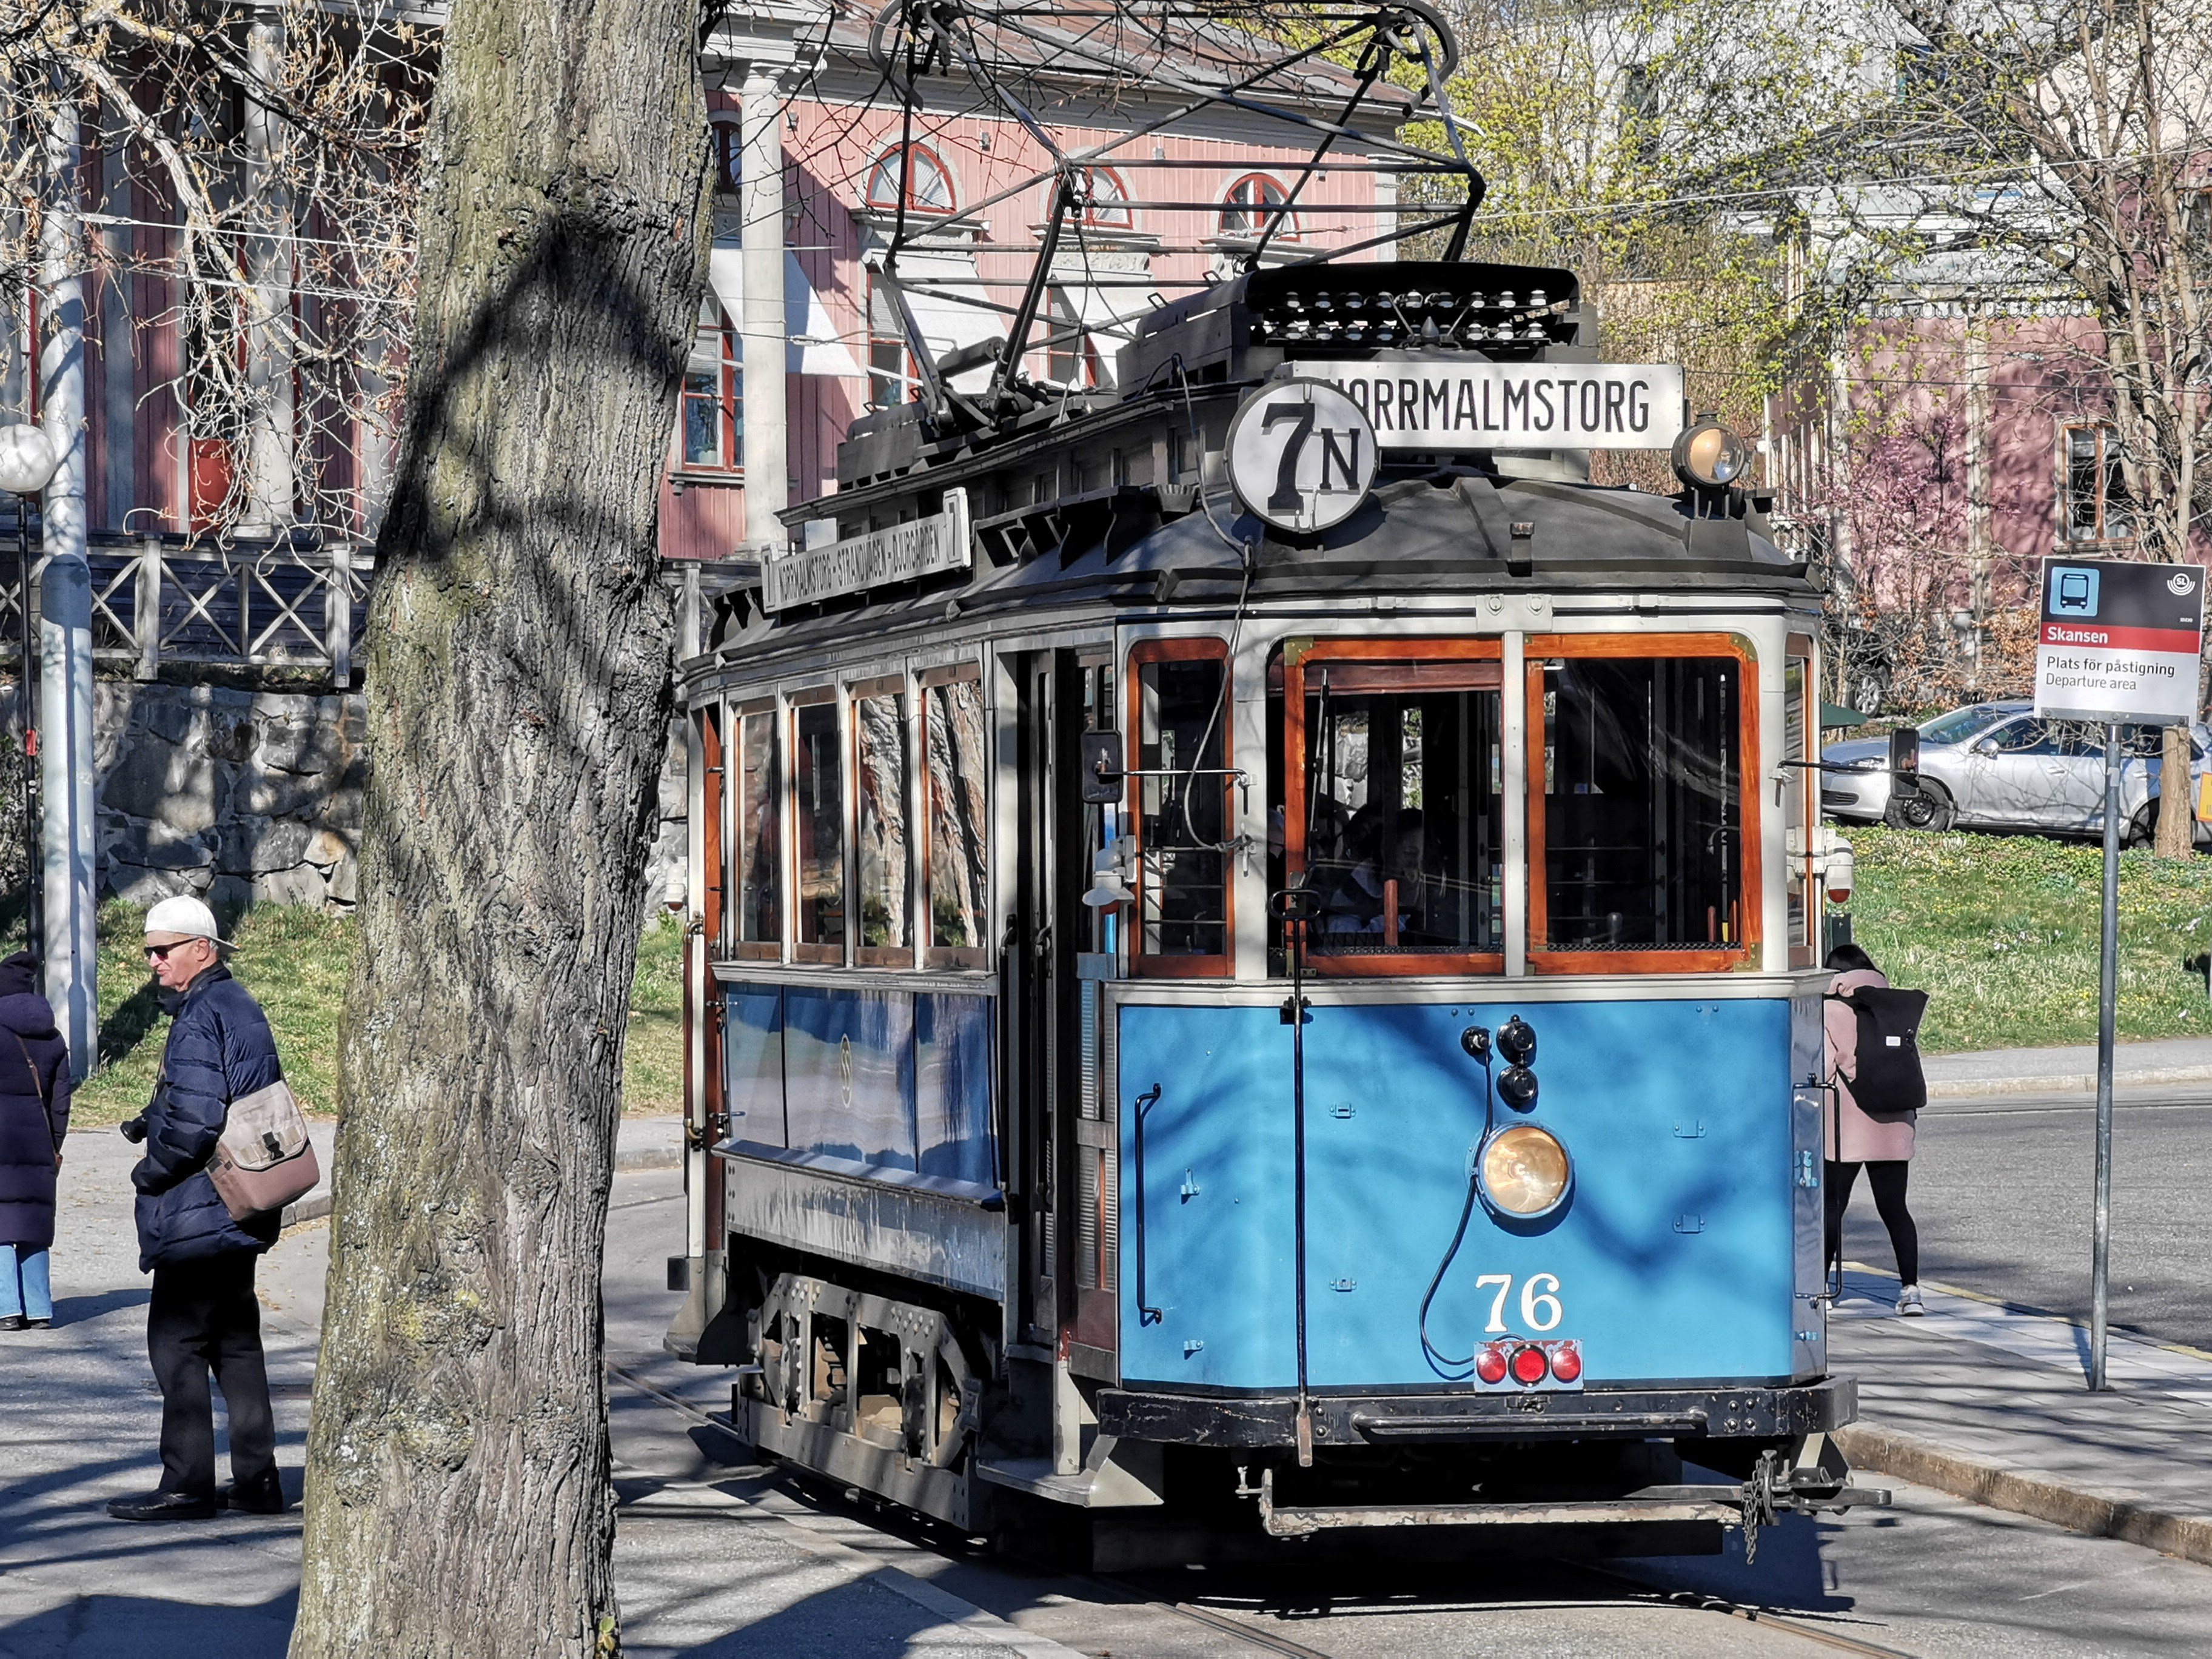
[[203, 1316]]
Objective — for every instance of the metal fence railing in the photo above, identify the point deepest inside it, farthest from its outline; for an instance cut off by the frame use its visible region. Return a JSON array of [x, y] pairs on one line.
[[293, 603]]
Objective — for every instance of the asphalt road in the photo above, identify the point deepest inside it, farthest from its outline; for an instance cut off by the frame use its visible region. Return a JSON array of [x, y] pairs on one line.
[[2003, 1191], [1933, 1576], [718, 1560]]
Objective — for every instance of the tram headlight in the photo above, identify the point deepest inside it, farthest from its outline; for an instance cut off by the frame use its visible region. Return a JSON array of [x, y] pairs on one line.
[[1525, 1171], [1710, 456]]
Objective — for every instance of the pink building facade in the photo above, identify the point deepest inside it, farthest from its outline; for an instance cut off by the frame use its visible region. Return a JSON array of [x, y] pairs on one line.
[[1947, 444], [798, 100]]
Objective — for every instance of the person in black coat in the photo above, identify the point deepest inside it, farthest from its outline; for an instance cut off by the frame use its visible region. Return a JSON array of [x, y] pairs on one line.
[[203, 1316], [34, 1110]]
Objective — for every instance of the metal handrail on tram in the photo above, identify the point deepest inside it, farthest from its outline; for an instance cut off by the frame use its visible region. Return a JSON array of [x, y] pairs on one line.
[[1146, 1313]]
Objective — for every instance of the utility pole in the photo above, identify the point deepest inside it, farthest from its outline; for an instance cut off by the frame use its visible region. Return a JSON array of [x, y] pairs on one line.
[[68, 850]]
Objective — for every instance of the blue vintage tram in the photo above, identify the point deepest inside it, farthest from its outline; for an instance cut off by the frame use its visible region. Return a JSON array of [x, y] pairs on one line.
[[1272, 991]]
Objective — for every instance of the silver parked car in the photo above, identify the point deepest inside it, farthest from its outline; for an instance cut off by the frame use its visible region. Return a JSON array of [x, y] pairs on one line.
[[1999, 766]]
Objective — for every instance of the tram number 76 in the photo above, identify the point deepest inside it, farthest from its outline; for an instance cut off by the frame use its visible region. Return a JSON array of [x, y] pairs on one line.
[[1539, 1302]]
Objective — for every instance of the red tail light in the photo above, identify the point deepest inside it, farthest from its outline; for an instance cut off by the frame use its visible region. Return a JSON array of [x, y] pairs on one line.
[[1529, 1365], [1567, 1362], [1490, 1364]]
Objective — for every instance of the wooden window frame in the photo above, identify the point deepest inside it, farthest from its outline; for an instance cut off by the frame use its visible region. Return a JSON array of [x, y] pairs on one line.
[[904, 154], [908, 956], [1202, 649], [1276, 215], [1744, 952], [2104, 466], [743, 949], [907, 375], [729, 407], [713, 876], [1799, 648], [813, 697], [1118, 215], [968, 956], [1461, 648]]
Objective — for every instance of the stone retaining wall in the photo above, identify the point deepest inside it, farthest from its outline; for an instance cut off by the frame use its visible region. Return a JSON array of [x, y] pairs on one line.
[[238, 796]]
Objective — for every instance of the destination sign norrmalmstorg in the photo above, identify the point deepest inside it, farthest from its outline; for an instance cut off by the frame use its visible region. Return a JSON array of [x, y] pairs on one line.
[[921, 547], [2120, 641], [1447, 404]]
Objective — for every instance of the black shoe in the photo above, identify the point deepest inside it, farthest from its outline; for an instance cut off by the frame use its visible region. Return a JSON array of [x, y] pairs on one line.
[[263, 1495], [37, 1324], [163, 1506], [11, 1321]]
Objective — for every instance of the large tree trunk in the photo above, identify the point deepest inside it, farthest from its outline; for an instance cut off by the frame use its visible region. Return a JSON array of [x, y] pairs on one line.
[[518, 688]]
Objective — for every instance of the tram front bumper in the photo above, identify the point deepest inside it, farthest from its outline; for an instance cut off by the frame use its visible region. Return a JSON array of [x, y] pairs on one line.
[[1760, 1411]]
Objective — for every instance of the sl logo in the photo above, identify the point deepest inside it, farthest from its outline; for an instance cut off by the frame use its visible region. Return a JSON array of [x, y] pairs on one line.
[[1301, 455]]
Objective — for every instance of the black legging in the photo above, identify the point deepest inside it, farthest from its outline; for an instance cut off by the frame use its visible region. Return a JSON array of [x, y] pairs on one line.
[[1887, 1180]]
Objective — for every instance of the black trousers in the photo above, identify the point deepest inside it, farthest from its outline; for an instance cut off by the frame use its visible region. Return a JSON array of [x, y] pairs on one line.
[[203, 1319], [1887, 1180]]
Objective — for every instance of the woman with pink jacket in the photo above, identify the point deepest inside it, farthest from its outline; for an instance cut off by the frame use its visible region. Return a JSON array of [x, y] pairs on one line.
[[1883, 1145]]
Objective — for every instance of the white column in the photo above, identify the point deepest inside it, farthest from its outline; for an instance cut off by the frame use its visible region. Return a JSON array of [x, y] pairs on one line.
[[66, 615], [270, 436], [766, 454]]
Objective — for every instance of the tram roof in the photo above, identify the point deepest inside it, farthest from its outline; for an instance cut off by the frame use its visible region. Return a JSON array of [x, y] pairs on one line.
[[1439, 534]]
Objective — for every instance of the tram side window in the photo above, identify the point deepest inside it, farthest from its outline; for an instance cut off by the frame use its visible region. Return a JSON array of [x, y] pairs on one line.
[[1641, 817], [818, 788], [1181, 807], [1404, 823], [759, 840], [953, 730], [1804, 898], [886, 907]]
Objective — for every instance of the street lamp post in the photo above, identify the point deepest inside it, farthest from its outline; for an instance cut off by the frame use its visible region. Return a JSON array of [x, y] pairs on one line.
[[29, 461]]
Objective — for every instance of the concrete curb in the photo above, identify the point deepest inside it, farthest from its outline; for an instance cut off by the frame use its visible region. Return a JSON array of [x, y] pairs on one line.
[[2083, 1083], [317, 1205], [1978, 1480]]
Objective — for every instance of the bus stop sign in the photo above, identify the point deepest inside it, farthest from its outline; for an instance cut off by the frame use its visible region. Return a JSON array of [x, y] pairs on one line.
[[2120, 642]]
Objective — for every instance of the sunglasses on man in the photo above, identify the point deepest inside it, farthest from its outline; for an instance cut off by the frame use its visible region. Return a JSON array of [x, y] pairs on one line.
[[160, 952]]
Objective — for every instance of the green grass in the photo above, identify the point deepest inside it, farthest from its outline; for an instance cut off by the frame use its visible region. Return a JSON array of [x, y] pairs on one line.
[[295, 962], [2001, 932], [653, 1061], [2001, 929]]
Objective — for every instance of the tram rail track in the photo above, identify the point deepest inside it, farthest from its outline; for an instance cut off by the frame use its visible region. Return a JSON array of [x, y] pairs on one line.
[[1124, 1591]]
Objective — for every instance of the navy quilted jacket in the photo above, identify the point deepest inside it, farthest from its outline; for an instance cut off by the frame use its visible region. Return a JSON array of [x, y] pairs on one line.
[[219, 1048], [35, 1106]]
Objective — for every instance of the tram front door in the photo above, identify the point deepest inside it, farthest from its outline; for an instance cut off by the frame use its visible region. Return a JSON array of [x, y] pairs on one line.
[[1062, 1132]]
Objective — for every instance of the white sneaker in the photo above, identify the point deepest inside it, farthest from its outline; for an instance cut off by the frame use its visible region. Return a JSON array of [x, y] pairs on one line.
[[1908, 1303]]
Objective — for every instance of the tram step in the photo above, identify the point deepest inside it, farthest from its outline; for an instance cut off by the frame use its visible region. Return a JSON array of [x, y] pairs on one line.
[[1647, 1503]]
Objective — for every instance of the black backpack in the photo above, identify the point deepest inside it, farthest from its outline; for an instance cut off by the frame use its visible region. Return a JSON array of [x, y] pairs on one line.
[[1888, 1083]]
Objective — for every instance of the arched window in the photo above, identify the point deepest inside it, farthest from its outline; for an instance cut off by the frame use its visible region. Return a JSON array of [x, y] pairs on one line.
[[1108, 207], [926, 186], [1253, 203]]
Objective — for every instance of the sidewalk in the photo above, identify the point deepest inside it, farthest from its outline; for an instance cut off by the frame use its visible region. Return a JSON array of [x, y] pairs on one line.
[[1991, 1404], [703, 1573], [2158, 1063]]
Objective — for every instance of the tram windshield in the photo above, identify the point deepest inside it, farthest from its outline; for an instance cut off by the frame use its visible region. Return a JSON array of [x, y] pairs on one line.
[[1402, 822], [1641, 819]]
